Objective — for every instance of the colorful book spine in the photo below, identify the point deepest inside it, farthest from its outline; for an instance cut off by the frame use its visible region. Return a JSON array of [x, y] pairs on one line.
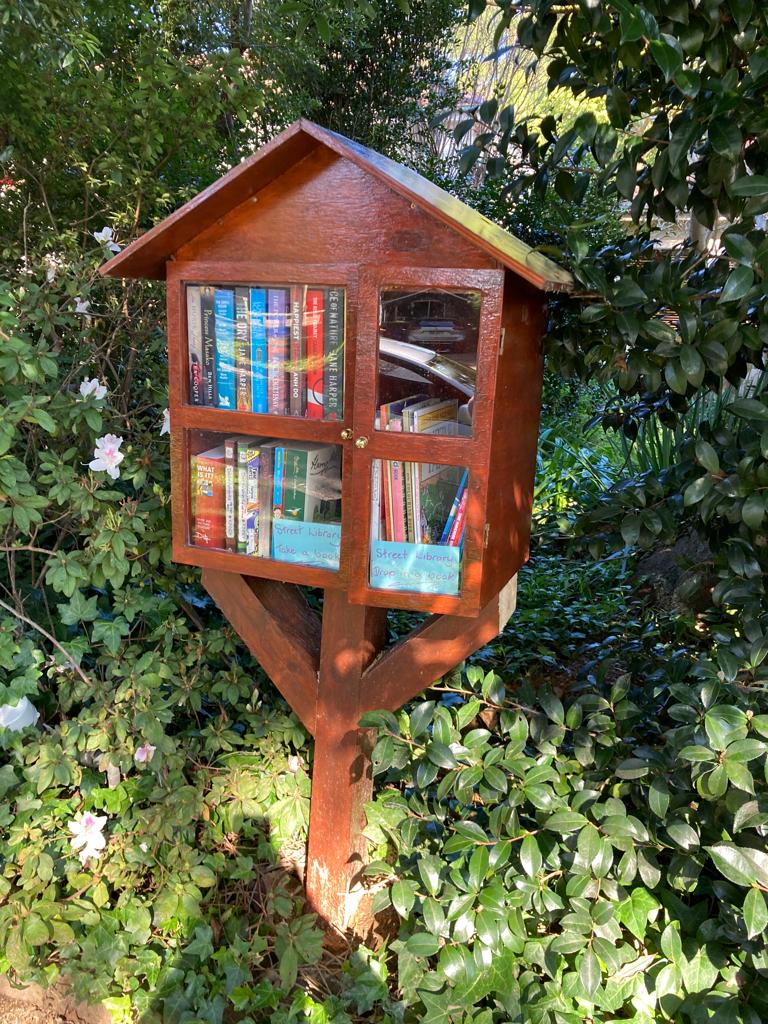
[[242, 350], [314, 321], [278, 492], [398, 500], [209, 345], [277, 351], [224, 326], [376, 500], [297, 377], [456, 536], [444, 539], [208, 500], [195, 345], [230, 493], [334, 354], [295, 465], [248, 460], [266, 488], [258, 302], [410, 527]]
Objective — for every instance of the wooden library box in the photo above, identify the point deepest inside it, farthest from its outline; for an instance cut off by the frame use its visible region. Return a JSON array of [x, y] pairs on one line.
[[355, 377]]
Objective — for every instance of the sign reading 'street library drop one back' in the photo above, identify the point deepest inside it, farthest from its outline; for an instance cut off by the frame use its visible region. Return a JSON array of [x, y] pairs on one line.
[[424, 568]]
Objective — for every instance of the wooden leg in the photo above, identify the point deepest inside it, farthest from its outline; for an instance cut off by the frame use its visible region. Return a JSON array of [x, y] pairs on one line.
[[341, 774]]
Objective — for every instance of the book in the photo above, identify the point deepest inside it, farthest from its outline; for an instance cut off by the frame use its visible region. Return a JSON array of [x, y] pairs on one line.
[[258, 306], [248, 466], [208, 499], [224, 329], [209, 345], [376, 497], [277, 351], [297, 376], [456, 536], [230, 493], [437, 493], [333, 386], [314, 318], [242, 349], [444, 539], [307, 485], [195, 345], [428, 414], [265, 495]]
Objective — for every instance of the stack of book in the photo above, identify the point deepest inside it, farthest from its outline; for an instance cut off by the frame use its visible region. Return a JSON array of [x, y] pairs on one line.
[[263, 349], [416, 502], [269, 499]]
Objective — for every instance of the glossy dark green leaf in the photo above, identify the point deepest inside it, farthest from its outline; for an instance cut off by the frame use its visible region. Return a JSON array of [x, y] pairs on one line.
[[739, 282], [755, 913]]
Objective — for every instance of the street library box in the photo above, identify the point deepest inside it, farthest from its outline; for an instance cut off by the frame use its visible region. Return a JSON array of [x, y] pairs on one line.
[[355, 377]]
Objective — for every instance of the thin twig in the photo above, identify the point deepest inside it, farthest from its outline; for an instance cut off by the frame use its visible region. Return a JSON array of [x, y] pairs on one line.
[[49, 638]]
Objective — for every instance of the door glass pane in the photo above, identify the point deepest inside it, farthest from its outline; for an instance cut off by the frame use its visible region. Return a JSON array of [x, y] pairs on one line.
[[418, 519], [270, 349], [265, 498], [427, 360]]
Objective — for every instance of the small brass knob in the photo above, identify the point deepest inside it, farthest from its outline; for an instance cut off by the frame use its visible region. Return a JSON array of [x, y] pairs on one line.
[[361, 442], [346, 434]]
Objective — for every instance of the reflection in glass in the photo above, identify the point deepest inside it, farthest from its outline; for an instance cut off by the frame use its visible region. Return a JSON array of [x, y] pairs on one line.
[[418, 519], [427, 360], [269, 349], [266, 498]]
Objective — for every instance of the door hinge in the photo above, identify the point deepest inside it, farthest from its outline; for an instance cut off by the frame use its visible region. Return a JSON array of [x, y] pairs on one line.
[[486, 533]]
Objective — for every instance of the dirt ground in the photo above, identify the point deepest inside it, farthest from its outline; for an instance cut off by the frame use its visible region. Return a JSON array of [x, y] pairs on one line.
[[35, 1005]]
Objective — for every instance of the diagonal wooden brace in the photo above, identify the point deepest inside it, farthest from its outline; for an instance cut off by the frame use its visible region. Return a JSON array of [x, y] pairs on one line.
[[330, 678]]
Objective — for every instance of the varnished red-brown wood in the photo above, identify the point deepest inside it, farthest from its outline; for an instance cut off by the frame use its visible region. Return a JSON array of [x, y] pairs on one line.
[[299, 143], [279, 629], [432, 650], [341, 769], [512, 463]]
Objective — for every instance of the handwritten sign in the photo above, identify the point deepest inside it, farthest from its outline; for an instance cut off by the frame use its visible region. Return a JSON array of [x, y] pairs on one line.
[[424, 568], [315, 544]]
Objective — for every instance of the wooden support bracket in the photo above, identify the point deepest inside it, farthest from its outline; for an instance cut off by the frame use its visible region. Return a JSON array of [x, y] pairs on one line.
[[330, 676]]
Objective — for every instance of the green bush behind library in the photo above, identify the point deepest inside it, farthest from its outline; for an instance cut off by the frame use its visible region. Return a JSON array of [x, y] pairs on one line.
[[598, 848]]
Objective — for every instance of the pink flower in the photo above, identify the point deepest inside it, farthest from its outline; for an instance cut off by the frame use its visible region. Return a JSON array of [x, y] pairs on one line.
[[144, 753], [107, 455], [87, 836]]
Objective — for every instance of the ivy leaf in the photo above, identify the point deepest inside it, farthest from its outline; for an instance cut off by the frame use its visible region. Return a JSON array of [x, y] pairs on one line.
[[635, 911]]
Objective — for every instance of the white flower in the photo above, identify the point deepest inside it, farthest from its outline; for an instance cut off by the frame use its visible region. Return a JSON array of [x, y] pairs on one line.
[[16, 717], [92, 387], [81, 305], [166, 427], [53, 262], [107, 455], [104, 237], [294, 763], [143, 847], [144, 753], [87, 835]]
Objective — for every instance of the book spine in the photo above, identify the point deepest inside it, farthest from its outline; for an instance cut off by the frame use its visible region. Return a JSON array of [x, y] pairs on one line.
[[266, 467], [241, 493], [298, 366], [454, 509], [208, 522], [195, 345], [295, 475], [252, 483], [398, 502], [230, 493], [224, 325], [410, 526], [258, 304], [278, 492], [376, 500], [457, 530], [416, 488], [209, 346], [277, 351], [242, 350], [314, 332], [334, 354]]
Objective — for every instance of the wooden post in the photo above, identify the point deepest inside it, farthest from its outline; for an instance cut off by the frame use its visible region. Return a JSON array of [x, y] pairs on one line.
[[341, 773]]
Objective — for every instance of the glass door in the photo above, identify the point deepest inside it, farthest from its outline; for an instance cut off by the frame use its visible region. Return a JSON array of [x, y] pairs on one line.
[[424, 386]]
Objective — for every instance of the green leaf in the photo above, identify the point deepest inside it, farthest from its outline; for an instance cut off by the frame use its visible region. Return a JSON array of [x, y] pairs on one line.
[[725, 137], [666, 56], [589, 972], [749, 409], [441, 755], [565, 821], [755, 913], [530, 856], [753, 511], [707, 456], [740, 864], [658, 798], [697, 490], [403, 896], [749, 186], [421, 717], [422, 944], [628, 293], [739, 282], [635, 911]]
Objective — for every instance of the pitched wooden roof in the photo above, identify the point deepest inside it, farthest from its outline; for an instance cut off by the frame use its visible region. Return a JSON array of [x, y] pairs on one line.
[[147, 256]]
